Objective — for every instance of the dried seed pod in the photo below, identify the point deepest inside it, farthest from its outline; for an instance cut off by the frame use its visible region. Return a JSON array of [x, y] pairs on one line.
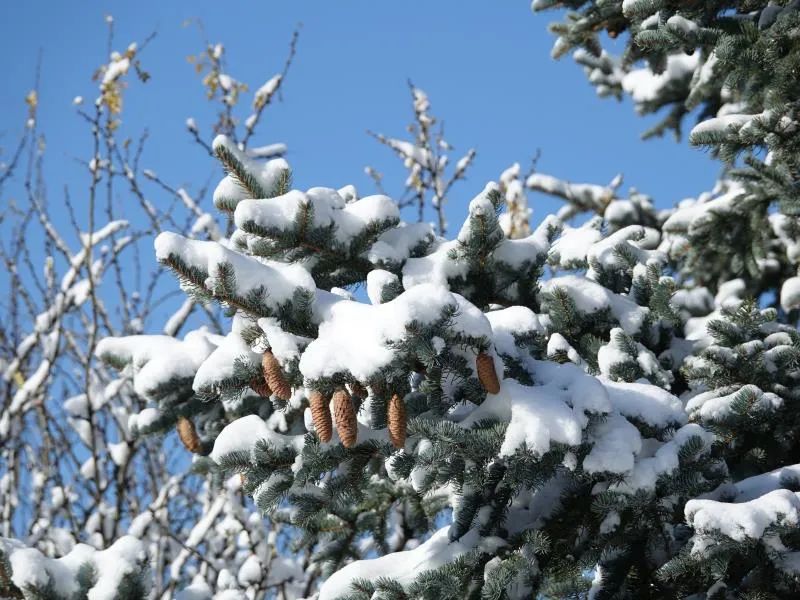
[[345, 415], [396, 417], [484, 364], [273, 374], [260, 387], [188, 435], [321, 414]]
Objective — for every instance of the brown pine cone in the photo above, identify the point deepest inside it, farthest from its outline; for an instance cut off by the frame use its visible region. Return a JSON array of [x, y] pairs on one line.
[[188, 435], [484, 364], [260, 387], [274, 376], [396, 417], [321, 413], [345, 415]]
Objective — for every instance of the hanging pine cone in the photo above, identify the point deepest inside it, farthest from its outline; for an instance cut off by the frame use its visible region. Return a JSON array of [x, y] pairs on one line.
[[273, 374], [486, 374], [188, 435], [346, 423], [260, 387], [321, 414], [396, 417]]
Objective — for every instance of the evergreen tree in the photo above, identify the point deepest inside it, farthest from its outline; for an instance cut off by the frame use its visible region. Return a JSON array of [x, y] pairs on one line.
[[602, 407], [443, 396]]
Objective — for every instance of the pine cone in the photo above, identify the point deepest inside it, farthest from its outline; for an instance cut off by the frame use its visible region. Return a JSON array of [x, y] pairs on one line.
[[260, 387], [321, 414], [346, 423], [274, 376], [486, 374], [396, 418], [188, 435]]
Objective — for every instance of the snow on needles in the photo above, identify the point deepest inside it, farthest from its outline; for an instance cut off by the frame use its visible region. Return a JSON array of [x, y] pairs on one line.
[[404, 566], [743, 520], [243, 434], [158, 359], [30, 568], [327, 209], [280, 280], [591, 297], [354, 336]]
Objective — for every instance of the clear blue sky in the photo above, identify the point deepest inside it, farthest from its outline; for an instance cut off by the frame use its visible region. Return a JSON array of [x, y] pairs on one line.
[[485, 66]]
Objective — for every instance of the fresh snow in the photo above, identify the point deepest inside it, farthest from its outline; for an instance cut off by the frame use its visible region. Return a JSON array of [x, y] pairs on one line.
[[403, 566], [591, 297], [279, 279], [29, 567], [745, 519], [368, 329], [243, 433]]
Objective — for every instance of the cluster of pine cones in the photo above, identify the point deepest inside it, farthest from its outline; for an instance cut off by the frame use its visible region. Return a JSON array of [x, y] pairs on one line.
[[274, 382]]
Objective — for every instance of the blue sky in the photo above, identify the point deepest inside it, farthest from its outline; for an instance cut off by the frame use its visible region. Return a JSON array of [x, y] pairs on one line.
[[485, 66]]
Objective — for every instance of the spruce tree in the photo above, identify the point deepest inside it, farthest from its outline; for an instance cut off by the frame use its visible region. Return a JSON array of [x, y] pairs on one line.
[[525, 419], [602, 407]]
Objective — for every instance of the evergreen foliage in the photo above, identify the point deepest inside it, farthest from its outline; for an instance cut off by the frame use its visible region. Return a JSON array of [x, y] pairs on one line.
[[643, 441]]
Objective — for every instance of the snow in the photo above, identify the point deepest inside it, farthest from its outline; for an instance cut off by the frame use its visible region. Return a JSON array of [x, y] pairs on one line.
[[436, 267], [395, 245], [645, 86], [281, 280], [267, 90], [554, 410], [711, 406], [328, 208], [243, 433], [368, 330], [219, 366], [583, 194], [509, 321], [119, 452], [591, 297], [409, 151], [571, 248], [691, 215], [790, 294], [615, 444], [285, 346], [29, 567], [403, 566], [720, 124], [663, 461], [116, 69], [156, 360], [515, 253], [558, 344], [377, 279], [251, 571], [646, 403], [758, 485], [228, 192], [746, 519], [682, 24], [616, 352], [605, 252]]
